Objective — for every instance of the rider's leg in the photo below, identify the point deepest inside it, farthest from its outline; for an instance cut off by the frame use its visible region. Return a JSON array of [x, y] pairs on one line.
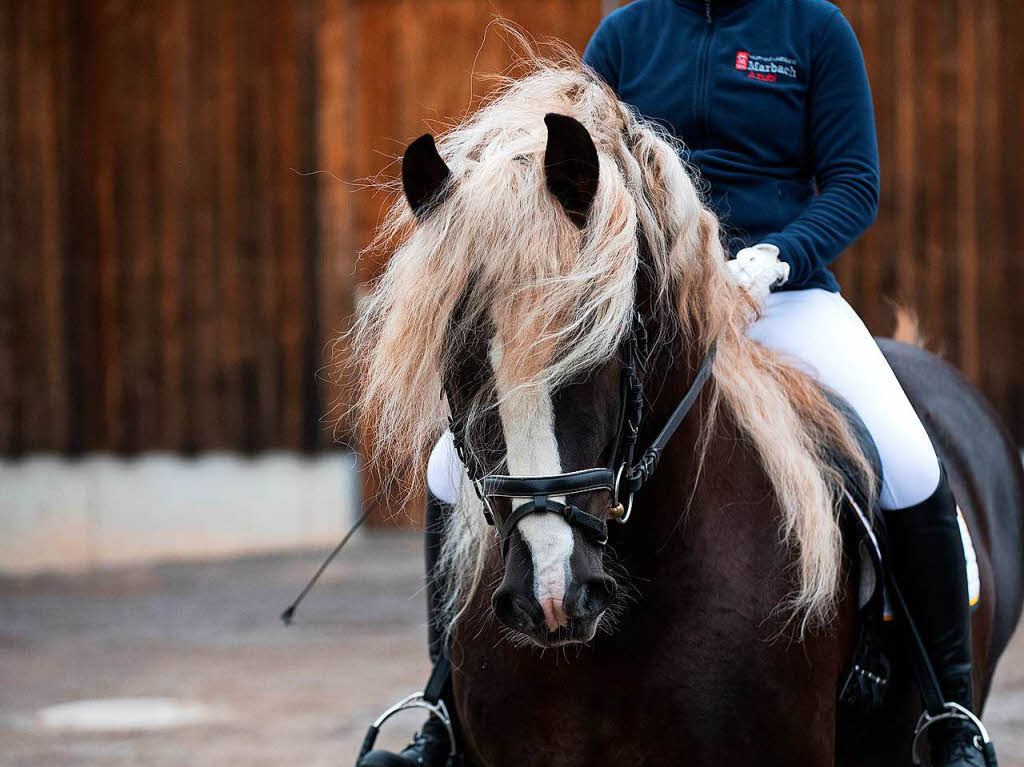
[[820, 333], [430, 746]]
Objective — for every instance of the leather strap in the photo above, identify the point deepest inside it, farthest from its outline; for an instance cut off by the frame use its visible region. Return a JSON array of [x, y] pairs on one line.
[[924, 672], [576, 517], [440, 675], [582, 481], [640, 472]]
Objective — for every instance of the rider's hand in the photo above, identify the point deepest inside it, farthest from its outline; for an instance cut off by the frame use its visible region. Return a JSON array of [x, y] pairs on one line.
[[758, 270]]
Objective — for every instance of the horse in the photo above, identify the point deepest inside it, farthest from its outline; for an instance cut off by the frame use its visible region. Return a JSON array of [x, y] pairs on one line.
[[554, 272]]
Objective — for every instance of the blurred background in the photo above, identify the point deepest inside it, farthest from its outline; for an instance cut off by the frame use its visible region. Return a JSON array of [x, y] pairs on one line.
[[182, 202]]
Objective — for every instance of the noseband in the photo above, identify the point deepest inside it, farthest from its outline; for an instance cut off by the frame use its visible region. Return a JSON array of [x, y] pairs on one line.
[[622, 480]]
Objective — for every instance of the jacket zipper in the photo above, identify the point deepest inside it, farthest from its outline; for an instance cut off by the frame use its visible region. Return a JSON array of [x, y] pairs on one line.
[[701, 109]]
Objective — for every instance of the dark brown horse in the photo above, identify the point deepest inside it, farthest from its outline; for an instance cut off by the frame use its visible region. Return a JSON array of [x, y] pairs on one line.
[[714, 628], [698, 670]]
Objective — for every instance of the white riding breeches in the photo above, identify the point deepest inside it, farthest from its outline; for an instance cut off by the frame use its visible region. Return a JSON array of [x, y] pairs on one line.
[[818, 332]]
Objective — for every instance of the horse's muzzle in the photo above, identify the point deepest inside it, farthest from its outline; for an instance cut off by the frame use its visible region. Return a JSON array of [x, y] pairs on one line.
[[549, 621]]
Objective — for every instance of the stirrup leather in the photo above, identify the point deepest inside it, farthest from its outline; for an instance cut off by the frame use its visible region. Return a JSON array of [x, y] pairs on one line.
[[416, 700], [982, 741]]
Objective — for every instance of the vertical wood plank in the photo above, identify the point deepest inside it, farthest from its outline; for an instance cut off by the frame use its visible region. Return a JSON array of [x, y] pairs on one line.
[[30, 332], [52, 221], [289, 219], [850, 267], [110, 320], [868, 262], [887, 105], [207, 423], [228, 307], [135, 110], [904, 165], [945, 200], [312, 433], [173, 52], [994, 304], [965, 201], [85, 134], [269, 360], [251, 214], [10, 442], [1010, 157], [931, 175], [335, 41]]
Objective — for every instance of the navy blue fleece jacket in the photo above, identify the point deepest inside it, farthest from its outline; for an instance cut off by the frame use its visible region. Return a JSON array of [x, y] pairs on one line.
[[771, 98]]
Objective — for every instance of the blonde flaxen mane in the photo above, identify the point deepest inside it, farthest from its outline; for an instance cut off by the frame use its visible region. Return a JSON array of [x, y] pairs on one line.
[[500, 250]]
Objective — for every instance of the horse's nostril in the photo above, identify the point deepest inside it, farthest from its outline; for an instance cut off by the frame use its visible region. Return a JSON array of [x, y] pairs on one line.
[[590, 598], [516, 610]]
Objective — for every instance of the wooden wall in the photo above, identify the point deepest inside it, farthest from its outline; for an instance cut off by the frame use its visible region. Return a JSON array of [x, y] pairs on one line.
[[164, 255], [948, 238], [180, 206]]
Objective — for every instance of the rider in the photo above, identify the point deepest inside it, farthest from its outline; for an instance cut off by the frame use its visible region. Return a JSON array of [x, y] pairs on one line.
[[772, 100]]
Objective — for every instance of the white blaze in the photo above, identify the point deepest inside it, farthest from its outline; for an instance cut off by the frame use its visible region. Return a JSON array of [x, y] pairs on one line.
[[528, 421]]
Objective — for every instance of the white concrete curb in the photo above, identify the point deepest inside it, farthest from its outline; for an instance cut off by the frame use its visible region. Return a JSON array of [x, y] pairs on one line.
[[72, 515]]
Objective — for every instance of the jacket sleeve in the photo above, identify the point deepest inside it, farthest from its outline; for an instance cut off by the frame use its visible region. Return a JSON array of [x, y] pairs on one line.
[[602, 52], [843, 151]]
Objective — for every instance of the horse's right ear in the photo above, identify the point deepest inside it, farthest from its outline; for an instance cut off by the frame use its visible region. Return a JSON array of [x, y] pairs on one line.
[[424, 174]]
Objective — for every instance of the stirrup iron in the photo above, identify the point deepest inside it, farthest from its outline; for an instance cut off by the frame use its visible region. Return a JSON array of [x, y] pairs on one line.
[[416, 700], [982, 741]]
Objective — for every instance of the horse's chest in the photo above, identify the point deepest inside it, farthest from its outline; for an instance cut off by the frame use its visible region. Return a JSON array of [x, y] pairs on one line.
[[586, 708]]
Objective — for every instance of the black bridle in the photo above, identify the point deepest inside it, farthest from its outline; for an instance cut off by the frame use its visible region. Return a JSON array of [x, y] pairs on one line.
[[623, 479]]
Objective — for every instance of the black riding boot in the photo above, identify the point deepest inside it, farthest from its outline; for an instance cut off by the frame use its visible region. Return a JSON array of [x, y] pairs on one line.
[[430, 747], [928, 562]]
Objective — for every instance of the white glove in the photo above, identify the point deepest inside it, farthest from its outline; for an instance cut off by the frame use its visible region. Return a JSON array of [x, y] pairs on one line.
[[758, 269]]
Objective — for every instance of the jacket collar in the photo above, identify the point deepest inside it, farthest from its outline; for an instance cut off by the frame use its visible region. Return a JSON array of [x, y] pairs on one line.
[[718, 7]]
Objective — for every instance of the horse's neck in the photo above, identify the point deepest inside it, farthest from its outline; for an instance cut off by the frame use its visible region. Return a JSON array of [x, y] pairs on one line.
[[709, 485]]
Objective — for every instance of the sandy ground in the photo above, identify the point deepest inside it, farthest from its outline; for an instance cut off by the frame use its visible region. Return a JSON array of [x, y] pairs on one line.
[[209, 633]]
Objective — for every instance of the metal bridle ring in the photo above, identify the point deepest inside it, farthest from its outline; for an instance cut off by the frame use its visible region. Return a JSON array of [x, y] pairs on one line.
[[629, 503]]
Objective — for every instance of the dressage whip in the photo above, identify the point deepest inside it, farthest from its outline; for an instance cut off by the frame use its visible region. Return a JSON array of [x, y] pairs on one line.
[[289, 612]]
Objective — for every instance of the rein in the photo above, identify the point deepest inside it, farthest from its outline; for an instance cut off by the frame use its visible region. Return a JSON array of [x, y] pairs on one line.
[[622, 480]]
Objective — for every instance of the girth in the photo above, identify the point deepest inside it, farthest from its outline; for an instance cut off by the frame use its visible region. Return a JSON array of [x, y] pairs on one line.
[[622, 480]]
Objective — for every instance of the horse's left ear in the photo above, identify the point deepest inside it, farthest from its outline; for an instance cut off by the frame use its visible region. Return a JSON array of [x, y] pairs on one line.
[[571, 166], [424, 174]]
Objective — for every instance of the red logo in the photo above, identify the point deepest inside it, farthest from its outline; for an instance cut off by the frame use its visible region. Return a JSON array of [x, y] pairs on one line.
[[742, 58]]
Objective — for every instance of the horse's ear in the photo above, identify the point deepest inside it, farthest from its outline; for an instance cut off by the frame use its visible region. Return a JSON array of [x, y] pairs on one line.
[[571, 166], [424, 174]]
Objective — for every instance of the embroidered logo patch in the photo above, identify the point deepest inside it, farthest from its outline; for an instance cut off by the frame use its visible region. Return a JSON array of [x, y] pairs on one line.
[[766, 68]]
